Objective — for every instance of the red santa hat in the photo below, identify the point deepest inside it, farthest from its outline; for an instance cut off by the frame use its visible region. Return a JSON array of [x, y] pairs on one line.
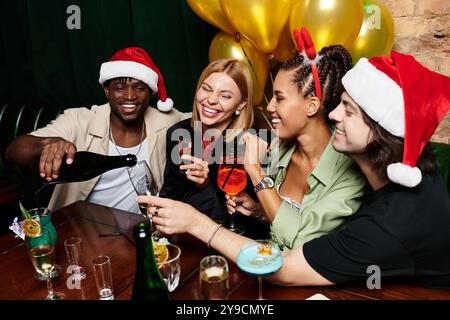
[[406, 99], [135, 63]]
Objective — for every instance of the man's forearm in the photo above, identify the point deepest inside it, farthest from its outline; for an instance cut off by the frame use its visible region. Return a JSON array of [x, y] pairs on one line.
[[26, 150], [296, 271]]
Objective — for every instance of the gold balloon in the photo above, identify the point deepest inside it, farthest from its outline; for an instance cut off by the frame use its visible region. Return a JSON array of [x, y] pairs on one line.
[[261, 21], [376, 36], [329, 22], [211, 12], [285, 48], [224, 46]]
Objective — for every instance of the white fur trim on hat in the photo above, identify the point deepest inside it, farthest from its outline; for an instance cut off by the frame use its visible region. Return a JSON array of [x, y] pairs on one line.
[[165, 106], [378, 95], [138, 71], [404, 175]]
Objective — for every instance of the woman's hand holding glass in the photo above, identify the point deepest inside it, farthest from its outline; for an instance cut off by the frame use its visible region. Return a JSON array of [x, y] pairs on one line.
[[243, 203], [197, 171], [170, 216]]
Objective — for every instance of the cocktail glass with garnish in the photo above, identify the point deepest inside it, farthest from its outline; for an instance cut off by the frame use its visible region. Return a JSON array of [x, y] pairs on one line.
[[41, 248], [232, 179], [43, 217], [259, 258]]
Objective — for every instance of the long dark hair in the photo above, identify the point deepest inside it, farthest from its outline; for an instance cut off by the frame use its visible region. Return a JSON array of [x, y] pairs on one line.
[[386, 148], [334, 63]]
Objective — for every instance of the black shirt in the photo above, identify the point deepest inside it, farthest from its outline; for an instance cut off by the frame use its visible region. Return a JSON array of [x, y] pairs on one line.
[[403, 231], [208, 199]]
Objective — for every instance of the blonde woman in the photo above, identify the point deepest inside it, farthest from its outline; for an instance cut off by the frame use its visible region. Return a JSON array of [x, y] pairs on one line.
[[222, 110]]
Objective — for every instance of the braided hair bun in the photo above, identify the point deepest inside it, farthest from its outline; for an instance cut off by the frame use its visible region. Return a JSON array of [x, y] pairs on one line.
[[334, 63]]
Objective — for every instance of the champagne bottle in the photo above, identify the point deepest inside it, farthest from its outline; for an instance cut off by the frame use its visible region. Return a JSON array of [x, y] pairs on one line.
[[87, 165], [148, 282]]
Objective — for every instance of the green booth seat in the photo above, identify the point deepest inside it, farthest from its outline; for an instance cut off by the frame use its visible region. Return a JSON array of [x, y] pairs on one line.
[[15, 120]]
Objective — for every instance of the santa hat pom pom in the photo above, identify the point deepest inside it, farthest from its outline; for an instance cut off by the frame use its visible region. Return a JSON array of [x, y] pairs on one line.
[[404, 175], [165, 106]]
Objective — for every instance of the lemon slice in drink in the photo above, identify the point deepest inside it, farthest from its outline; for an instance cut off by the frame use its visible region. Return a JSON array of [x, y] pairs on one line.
[[161, 252], [31, 228]]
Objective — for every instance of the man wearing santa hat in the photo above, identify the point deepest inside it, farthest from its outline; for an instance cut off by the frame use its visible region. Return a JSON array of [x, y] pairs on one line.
[[124, 125], [389, 111]]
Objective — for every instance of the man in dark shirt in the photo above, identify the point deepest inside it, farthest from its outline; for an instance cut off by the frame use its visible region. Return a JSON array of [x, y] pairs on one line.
[[389, 111], [403, 232]]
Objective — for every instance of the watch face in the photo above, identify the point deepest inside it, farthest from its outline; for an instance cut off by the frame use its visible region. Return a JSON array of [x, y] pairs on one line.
[[268, 183]]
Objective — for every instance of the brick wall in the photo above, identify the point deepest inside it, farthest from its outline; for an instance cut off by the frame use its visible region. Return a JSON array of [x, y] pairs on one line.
[[423, 30]]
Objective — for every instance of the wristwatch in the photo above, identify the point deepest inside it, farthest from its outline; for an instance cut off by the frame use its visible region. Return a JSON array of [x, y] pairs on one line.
[[265, 183]]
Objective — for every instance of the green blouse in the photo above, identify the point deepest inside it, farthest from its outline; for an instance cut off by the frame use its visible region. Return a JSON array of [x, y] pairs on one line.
[[336, 187]]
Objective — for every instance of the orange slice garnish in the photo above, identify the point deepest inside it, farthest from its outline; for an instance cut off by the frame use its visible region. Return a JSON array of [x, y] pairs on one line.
[[161, 252], [265, 249], [31, 228]]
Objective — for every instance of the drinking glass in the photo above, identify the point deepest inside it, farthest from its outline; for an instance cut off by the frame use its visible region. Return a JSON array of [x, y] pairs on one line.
[[44, 217], [75, 258], [214, 283], [103, 277], [232, 179], [144, 183], [41, 249], [259, 258], [170, 269]]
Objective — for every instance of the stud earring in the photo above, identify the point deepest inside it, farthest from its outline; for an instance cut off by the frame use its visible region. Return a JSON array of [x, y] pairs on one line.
[[237, 112]]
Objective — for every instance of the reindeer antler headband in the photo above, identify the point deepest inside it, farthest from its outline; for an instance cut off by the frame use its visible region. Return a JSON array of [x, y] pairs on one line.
[[306, 47]]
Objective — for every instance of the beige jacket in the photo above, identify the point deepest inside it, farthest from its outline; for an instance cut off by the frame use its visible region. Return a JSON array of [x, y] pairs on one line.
[[88, 129]]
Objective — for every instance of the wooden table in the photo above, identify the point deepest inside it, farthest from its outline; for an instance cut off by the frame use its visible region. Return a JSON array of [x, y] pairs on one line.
[[87, 221]]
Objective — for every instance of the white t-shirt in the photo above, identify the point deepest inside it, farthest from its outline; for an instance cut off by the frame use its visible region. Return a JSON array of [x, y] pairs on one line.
[[114, 188]]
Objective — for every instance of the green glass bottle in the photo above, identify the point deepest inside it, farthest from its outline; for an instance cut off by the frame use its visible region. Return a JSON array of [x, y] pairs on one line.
[[148, 282]]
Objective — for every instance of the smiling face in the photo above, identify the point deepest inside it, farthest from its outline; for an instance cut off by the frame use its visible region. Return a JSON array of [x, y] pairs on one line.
[[352, 133], [217, 99], [287, 106], [128, 98]]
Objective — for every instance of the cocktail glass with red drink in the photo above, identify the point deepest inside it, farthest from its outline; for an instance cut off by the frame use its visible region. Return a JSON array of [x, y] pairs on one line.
[[232, 179]]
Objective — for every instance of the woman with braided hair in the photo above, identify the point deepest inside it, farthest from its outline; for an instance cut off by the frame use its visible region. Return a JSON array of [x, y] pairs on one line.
[[314, 187]]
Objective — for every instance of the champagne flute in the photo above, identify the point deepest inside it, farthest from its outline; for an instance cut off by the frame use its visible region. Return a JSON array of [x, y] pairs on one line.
[[144, 183], [41, 249], [259, 258], [232, 179]]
